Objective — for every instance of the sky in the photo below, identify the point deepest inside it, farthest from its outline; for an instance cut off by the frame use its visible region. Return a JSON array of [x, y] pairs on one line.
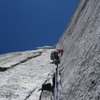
[[27, 24]]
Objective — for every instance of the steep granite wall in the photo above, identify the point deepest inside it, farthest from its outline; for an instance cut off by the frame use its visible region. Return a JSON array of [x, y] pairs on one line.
[[80, 64]]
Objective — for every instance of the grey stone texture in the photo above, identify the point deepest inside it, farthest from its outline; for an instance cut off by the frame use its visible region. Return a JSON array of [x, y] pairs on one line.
[[22, 75], [80, 64]]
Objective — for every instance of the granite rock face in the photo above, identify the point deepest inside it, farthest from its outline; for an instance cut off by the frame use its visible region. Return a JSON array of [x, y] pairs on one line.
[[22, 75], [80, 64]]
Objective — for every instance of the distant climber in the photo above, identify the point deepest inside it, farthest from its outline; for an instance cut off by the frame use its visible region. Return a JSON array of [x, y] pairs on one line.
[[55, 56]]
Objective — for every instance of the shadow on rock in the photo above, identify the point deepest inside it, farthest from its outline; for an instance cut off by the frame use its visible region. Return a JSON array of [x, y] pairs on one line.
[[3, 69], [47, 92]]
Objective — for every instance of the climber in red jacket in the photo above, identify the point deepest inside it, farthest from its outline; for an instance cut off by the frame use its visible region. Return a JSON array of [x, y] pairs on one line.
[[55, 55]]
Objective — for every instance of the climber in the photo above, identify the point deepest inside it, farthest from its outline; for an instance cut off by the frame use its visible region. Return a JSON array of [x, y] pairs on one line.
[[55, 56]]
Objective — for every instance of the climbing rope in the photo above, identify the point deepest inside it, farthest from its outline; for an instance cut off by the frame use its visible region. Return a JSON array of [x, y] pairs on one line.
[[57, 84], [55, 90]]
